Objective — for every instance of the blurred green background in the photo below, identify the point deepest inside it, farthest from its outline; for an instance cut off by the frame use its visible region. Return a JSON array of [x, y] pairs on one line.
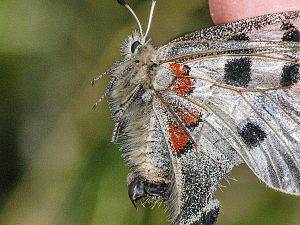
[[57, 165]]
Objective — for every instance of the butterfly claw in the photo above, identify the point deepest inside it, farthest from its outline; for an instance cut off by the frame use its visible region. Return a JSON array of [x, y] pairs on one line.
[[139, 188], [136, 190]]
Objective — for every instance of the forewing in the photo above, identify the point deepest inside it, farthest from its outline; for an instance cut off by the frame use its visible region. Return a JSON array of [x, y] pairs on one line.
[[217, 55], [272, 27], [255, 65]]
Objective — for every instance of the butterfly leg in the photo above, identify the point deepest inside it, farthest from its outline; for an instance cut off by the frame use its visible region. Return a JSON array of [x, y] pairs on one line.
[[123, 107]]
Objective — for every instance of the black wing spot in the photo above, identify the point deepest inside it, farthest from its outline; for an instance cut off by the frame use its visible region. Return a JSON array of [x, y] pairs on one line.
[[290, 74], [239, 37], [187, 148], [238, 72], [208, 219], [291, 35], [211, 217], [252, 134]]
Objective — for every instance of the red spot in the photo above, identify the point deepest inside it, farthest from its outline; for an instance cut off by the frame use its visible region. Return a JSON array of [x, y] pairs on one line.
[[178, 138], [191, 117], [183, 83], [178, 69]]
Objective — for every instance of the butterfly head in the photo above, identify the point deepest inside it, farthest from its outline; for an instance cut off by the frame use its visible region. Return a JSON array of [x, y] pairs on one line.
[[136, 50], [139, 56], [132, 45]]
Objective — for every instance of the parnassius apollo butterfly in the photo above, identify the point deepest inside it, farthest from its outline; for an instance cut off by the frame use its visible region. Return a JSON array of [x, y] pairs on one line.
[[191, 110]]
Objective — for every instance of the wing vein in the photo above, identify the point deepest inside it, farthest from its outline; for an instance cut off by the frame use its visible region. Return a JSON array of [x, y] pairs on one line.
[[281, 108], [170, 108]]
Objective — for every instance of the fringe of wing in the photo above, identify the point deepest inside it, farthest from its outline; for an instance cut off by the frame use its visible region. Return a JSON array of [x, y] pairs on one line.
[[257, 28]]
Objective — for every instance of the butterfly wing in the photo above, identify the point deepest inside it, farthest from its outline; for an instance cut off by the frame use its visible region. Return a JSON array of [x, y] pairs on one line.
[[263, 132], [248, 87], [272, 27], [195, 177]]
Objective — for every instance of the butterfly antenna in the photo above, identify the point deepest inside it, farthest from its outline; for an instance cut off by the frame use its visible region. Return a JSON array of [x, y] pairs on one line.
[[123, 3], [150, 18]]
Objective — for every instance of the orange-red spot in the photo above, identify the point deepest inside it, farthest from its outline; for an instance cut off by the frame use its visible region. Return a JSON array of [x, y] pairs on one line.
[[191, 117], [178, 137], [183, 83], [178, 69]]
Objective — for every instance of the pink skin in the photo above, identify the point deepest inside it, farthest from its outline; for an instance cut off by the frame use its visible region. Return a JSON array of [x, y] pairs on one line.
[[224, 11]]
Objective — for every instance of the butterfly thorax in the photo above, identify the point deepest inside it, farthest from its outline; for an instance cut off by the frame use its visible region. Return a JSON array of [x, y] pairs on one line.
[[135, 82], [142, 74]]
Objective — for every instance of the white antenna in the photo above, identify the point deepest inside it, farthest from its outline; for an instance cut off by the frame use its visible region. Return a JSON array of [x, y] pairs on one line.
[[123, 3], [150, 18]]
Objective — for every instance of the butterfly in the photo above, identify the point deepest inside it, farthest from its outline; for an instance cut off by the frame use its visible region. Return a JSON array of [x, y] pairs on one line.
[[191, 110]]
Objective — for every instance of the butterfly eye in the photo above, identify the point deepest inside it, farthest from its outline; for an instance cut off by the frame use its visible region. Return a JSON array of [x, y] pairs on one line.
[[135, 45]]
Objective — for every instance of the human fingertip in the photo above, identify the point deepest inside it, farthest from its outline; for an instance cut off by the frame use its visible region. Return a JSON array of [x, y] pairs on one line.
[[225, 11]]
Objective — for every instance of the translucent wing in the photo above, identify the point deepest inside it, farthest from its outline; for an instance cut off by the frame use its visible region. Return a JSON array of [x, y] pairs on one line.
[[264, 131], [255, 65], [248, 85], [195, 178]]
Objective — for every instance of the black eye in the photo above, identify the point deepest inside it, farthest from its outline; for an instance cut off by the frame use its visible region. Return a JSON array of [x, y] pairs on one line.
[[135, 45]]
